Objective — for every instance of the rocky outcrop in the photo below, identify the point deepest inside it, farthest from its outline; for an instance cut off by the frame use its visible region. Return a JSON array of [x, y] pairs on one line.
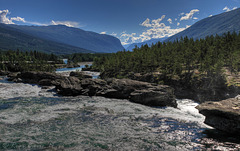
[[223, 115], [141, 92], [136, 91], [80, 75], [68, 86], [195, 87], [41, 78], [4, 73]]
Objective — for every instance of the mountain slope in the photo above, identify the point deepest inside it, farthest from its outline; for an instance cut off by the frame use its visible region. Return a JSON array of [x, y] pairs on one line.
[[74, 36], [218, 24], [148, 42], [12, 39]]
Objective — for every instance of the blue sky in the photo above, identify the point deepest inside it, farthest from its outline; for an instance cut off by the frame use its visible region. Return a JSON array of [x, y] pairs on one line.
[[129, 20]]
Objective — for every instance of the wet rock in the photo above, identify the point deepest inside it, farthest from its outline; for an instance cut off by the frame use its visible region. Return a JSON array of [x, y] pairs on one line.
[[153, 98], [136, 91], [223, 115], [80, 75], [69, 86], [4, 73], [141, 92], [41, 78], [12, 76]]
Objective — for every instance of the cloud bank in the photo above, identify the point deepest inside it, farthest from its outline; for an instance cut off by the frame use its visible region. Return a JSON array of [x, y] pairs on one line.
[[156, 29], [66, 23], [6, 20]]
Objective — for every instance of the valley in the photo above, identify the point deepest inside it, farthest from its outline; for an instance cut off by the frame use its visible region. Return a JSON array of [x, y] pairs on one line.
[[65, 88]]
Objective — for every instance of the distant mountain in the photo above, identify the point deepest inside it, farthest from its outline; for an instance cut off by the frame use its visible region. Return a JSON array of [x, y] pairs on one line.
[[218, 24], [148, 42], [13, 39], [74, 36]]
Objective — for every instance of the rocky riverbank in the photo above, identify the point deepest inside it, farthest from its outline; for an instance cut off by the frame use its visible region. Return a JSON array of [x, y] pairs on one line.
[[223, 115], [200, 88], [77, 84]]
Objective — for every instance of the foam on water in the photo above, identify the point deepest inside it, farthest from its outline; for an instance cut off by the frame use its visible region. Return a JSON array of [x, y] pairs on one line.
[[186, 108], [41, 118], [13, 90], [96, 123]]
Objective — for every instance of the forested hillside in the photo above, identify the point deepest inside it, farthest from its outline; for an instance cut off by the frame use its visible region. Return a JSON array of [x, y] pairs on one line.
[[16, 61], [14, 39], [218, 24], [176, 59], [75, 37]]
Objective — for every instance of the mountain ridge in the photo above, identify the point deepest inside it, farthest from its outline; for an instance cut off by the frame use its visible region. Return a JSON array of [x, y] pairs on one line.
[[217, 24], [74, 36], [12, 39], [148, 42]]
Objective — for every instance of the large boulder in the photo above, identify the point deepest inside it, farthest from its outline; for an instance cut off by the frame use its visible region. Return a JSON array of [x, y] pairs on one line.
[[140, 92], [223, 115], [41, 78], [68, 86], [80, 75]]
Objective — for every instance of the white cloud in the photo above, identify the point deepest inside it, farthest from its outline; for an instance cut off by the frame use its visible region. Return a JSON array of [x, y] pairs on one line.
[[104, 32], [146, 23], [210, 15], [18, 19], [66, 23], [128, 38], [114, 34], [234, 8], [175, 19], [37, 23], [181, 14], [226, 9], [169, 20], [156, 30], [195, 18], [154, 23], [178, 24], [189, 15], [6, 20], [3, 17]]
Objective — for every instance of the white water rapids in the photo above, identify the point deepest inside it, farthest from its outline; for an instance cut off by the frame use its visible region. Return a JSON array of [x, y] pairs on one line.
[[34, 118]]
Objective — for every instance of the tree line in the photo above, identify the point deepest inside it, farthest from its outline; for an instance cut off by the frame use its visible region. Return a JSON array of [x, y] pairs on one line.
[[179, 58], [83, 57], [16, 61]]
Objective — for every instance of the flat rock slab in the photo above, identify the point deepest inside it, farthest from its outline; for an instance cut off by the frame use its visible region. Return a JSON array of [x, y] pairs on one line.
[[223, 115]]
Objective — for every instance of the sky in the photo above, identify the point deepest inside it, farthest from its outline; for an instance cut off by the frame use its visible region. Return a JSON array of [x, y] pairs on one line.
[[131, 21]]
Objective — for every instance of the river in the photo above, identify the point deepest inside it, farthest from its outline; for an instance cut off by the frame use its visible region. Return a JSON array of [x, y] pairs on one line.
[[32, 118]]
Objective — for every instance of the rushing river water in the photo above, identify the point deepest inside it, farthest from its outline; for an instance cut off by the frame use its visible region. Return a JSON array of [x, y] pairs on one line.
[[32, 118], [93, 74]]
